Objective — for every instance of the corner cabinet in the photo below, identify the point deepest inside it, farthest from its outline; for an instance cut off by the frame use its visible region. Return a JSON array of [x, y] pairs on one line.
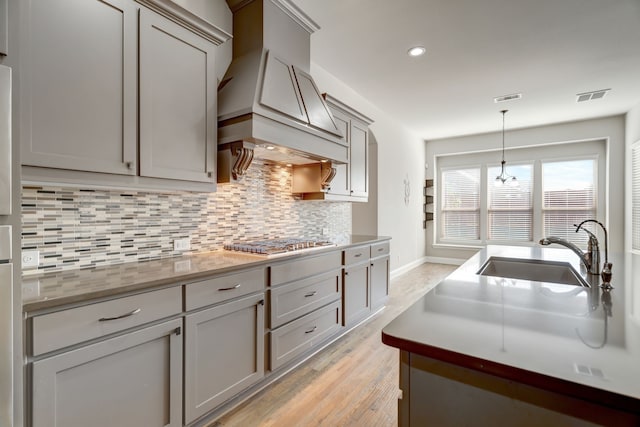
[[351, 180], [115, 88]]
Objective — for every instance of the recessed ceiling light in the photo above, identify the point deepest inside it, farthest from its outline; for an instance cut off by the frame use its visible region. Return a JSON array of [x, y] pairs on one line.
[[416, 51], [270, 147]]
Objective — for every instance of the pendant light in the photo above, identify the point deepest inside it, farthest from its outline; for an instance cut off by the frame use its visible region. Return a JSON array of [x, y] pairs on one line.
[[504, 177]]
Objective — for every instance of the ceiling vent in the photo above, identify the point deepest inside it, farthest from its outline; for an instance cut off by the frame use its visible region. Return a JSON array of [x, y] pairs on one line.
[[505, 98], [589, 96]]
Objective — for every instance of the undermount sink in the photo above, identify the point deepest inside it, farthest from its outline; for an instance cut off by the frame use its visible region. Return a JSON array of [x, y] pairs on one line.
[[532, 269]]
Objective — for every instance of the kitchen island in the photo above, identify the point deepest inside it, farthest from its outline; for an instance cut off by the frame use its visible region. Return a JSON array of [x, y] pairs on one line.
[[483, 350]]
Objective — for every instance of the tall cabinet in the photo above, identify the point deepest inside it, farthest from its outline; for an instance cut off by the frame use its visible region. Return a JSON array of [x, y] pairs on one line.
[[117, 88]]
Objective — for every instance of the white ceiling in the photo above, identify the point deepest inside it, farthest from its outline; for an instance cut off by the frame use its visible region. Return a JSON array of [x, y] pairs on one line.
[[549, 50]]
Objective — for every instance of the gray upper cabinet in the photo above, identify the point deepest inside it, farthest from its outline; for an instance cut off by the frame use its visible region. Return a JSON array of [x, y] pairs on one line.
[[340, 182], [178, 119], [351, 180], [79, 85], [358, 159], [117, 88], [130, 380], [4, 16]]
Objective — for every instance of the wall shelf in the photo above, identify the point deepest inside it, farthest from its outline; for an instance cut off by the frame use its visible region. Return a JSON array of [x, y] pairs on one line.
[[428, 202]]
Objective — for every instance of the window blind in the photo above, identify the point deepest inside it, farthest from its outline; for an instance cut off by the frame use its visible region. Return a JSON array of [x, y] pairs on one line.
[[635, 196], [568, 197], [461, 204], [510, 209]]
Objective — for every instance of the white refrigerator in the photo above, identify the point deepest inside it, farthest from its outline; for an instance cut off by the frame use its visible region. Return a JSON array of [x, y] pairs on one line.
[[9, 226]]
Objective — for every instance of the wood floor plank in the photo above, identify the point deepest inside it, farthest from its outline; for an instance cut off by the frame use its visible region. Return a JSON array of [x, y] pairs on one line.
[[353, 382]]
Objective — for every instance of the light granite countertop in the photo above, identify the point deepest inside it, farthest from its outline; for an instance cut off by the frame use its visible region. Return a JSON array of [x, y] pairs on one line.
[[48, 291], [584, 342]]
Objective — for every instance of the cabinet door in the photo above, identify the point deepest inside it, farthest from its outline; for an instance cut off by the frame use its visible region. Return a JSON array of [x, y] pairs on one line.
[[379, 282], [359, 160], [357, 301], [224, 353], [178, 92], [79, 85], [340, 182], [131, 380]]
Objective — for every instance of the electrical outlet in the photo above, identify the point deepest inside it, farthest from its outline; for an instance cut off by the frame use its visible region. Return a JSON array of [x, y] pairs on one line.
[[182, 266], [182, 244], [325, 231], [30, 259]]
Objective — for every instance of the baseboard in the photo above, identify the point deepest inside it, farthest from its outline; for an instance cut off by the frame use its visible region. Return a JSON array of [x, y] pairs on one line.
[[442, 260], [431, 259], [407, 267]]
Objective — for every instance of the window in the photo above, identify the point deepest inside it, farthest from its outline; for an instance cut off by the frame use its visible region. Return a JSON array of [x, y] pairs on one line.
[[509, 208], [560, 184], [461, 204], [635, 196], [568, 197]]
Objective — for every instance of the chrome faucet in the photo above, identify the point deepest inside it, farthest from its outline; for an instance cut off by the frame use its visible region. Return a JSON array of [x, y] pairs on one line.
[[591, 259], [607, 264]]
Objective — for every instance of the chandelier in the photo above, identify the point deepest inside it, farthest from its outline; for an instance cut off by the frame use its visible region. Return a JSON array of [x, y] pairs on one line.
[[504, 177]]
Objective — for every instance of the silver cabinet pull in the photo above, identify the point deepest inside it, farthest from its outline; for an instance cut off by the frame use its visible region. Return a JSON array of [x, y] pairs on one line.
[[311, 330], [236, 286], [310, 294], [357, 255], [122, 316], [380, 249], [129, 165]]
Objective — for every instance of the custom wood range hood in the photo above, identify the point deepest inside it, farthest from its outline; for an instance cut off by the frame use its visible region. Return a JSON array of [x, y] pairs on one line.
[[268, 104]]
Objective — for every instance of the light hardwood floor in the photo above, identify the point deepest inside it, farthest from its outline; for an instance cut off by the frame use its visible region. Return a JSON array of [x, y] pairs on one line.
[[353, 382]]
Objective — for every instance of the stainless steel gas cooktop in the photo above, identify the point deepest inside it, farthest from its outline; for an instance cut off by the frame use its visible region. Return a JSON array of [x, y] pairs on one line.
[[278, 247]]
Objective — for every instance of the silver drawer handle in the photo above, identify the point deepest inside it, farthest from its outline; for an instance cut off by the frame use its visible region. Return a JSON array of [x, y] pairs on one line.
[[380, 249], [311, 330], [122, 316], [310, 294], [357, 255], [236, 286]]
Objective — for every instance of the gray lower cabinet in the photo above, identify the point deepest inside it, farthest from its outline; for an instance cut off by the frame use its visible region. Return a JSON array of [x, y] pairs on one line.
[[133, 380], [224, 353], [379, 275], [357, 298], [305, 307], [366, 281]]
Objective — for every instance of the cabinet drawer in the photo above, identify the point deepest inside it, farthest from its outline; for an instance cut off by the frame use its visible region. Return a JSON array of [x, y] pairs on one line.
[[222, 288], [380, 249], [295, 338], [296, 299], [63, 328], [305, 267], [356, 255]]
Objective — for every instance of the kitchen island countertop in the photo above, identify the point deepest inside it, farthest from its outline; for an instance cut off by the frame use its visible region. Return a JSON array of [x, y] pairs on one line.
[[581, 342], [51, 290]]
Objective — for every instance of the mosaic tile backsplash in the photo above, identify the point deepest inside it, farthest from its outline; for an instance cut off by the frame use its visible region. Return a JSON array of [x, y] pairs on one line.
[[76, 228]]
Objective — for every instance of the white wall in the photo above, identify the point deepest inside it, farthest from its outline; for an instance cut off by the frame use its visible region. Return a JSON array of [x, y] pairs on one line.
[[401, 155], [612, 128]]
